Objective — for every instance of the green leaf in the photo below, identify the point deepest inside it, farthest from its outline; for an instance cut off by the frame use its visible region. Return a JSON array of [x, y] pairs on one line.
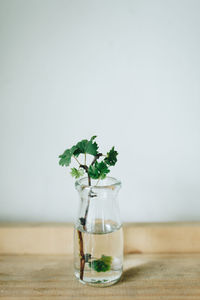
[[93, 137], [101, 265], [111, 158], [93, 172], [86, 146], [65, 158], [98, 170], [77, 172], [106, 259], [81, 147], [73, 149], [92, 147]]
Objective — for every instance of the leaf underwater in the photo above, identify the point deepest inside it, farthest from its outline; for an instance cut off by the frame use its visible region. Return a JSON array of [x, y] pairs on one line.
[[101, 265]]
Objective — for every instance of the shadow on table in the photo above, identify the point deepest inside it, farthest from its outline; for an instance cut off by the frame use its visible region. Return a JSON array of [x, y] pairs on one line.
[[144, 271]]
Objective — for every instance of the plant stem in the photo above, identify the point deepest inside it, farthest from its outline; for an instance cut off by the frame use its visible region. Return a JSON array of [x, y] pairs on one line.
[[82, 256], [77, 160], [97, 182], [81, 246], [89, 180], [86, 213], [96, 157]]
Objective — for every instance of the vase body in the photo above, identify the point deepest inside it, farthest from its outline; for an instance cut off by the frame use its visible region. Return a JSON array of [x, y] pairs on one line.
[[98, 234]]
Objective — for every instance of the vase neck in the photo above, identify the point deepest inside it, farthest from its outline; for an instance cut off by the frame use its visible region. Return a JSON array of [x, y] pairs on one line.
[[99, 210]]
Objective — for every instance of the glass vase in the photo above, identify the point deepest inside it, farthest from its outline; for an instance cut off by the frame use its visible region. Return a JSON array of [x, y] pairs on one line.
[[98, 234]]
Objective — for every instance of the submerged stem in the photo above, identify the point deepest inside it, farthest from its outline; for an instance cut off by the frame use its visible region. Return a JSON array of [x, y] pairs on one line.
[[82, 256], [89, 180], [81, 246]]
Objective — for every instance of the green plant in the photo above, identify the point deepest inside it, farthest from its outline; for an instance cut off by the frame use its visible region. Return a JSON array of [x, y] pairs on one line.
[[96, 170]]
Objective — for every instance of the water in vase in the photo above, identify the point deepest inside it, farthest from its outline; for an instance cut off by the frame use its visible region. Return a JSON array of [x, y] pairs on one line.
[[102, 247]]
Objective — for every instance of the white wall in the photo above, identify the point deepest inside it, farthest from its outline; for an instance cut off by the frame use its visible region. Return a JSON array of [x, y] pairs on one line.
[[128, 71]]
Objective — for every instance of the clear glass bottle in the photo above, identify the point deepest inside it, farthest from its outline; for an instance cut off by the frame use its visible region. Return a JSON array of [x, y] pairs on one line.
[[98, 234]]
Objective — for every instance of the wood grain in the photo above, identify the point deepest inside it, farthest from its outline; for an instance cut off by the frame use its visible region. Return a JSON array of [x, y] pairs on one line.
[[36, 238], [146, 277], [57, 238], [179, 237]]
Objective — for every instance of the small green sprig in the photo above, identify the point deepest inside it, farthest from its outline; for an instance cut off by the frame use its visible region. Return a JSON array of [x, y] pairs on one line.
[[97, 169]]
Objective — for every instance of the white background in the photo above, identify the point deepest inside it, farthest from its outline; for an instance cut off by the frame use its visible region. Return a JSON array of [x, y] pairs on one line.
[[128, 71]]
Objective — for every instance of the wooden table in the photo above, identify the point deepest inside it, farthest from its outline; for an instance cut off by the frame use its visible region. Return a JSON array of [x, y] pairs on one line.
[[145, 277], [162, 262]]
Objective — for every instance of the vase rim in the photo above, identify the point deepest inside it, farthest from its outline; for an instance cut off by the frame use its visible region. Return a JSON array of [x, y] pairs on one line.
[[113, 182]]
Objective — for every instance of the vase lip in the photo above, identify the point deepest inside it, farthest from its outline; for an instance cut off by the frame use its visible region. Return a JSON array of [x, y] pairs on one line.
[[114, 182]]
